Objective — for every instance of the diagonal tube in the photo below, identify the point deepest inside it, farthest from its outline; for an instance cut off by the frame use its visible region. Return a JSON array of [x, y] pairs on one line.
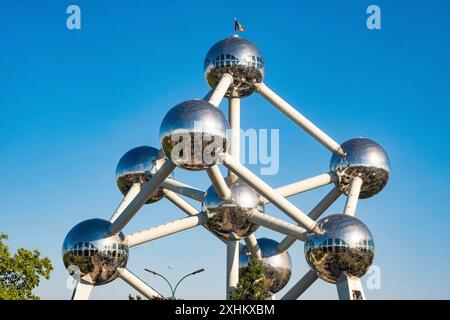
[[263, 188], [315, 213], [298, 118], [141, 198]]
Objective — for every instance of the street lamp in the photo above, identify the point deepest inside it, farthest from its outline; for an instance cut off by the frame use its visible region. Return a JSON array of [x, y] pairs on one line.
[[174, 289]]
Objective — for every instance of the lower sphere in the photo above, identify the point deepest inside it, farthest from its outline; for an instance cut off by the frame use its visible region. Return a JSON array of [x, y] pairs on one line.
[[92, 253], [345, 247], [277, 265]]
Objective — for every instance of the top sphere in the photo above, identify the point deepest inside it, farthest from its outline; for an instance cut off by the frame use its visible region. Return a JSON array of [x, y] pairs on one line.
[[238, 57], [277, 265], [193, 133], [366, 159], [345, 247], [137, 166], [92, 252]]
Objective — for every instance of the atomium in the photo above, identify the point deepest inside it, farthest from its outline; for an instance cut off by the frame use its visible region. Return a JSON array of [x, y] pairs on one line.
[[192, 134], [345, 247], [93, 253], [137, 166], [363, 158], [277, 265], [228, 218], [239, 58]]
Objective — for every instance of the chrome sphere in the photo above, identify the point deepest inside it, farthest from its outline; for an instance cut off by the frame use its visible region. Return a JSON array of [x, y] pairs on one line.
[[193, 133], [229, 218], [365, 159], [92, 252], [277, 265], [345, 247], [137, 166], [238, 57]]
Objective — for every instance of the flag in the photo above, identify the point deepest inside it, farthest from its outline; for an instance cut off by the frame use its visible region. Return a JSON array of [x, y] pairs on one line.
[[238, 26]]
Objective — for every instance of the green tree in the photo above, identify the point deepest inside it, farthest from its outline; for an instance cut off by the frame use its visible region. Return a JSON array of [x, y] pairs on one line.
[[138, 297], [251, 283], [21, 273]]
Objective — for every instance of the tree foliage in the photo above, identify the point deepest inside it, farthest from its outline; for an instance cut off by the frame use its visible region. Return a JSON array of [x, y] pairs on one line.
[[21, 273], [251, 283]]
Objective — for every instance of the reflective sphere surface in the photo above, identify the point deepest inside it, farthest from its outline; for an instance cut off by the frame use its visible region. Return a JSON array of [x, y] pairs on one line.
[[277, 265], [229, 218], [346, 246], [238, 57], [92, 252], [137, 166], [193, 133], [365, 159]]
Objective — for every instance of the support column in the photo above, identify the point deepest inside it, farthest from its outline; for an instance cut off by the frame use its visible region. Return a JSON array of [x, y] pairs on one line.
[[82, 291], [234, 117], [232, 266], [350, 288]]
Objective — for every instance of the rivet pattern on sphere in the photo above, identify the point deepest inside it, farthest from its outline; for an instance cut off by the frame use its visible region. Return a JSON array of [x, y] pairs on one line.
[[229, 218], [137, 166], [193, 133], [92, 251], [239, 58], [277, 265], [346, 246], [365, 159]]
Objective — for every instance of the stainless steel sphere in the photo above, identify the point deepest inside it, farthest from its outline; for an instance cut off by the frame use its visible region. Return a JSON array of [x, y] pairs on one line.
[[365, 159], [277, 265], [96, 254], [192, 134], [238, 57], [346, 246], [229, 218], [137, 166]]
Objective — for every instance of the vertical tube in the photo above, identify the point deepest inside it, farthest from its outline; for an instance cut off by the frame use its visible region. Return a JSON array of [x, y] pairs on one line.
[[350, 288], [234, 117], [232, 266], [82, 291]]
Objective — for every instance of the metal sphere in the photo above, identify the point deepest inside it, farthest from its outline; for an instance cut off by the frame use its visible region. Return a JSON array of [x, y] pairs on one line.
[[193, 133], [229, 218], [92, 252], [238, 57], [345, 247], [277, 265], [137, 166], [365, 159]]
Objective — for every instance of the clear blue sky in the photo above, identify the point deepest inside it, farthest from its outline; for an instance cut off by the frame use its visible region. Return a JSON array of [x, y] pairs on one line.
[[72, 102]]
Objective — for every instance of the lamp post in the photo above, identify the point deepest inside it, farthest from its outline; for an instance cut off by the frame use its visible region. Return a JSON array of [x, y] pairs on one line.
[[174, 289]]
